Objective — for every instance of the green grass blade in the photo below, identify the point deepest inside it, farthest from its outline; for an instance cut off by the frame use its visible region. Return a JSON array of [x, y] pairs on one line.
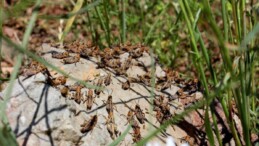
[[1, 32], [123, 22], [208, 128], [107, 21], [100, 17], [224, 15], [223, 50], [70, 21]]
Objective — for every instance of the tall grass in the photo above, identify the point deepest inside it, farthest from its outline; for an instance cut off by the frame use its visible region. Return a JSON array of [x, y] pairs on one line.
[[159, 28]]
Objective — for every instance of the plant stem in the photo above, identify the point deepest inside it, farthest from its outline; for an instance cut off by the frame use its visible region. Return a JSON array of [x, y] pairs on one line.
[[200, 70], [224, 15], [1, 32], [107, 22], [123, 20]]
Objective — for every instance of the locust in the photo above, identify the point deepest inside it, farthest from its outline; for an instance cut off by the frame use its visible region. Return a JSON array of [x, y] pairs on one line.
[[140, 114], [127, 63], [60, 55], [136, 135], [111, 126], [32, 69], [146, 78], [125, 85], [120, 71], [78, 95], [99, 84], [86, 52], [113, 63], [64, 91], [159, 115], [107, 80], [90, 99], [61, 80], [130, 117], [71, 60], [109, 105], [75, 86], [164, 85], [89, 125], [162, 109], [136, 53]]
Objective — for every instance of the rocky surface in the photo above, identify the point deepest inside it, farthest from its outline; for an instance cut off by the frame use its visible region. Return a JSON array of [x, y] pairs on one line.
[[40, 115]]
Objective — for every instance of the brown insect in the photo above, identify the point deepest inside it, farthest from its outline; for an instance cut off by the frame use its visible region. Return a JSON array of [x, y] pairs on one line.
[[90, 99], [136, 53], [136, 135], [86, 53], [133, 80], [140, 114], [78, 95], [119, 71], [146, 78], [130, 117], [71, 60], [75, 86], [100, 63], [33, 68], [61, 80], [117, 51], [109, 105], [165, 109], [161, 79], [125, 85], [64, 91], [60, 55], [113, 63], [127, 63], [181, 93], [190, 140], [162, 109], [156, 102], [99, 84], [112, 127], [159, 115], [107, 79], [75, 47], [164, 85], [192, 86], [89, 125], [142, 65], [106, 54]]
